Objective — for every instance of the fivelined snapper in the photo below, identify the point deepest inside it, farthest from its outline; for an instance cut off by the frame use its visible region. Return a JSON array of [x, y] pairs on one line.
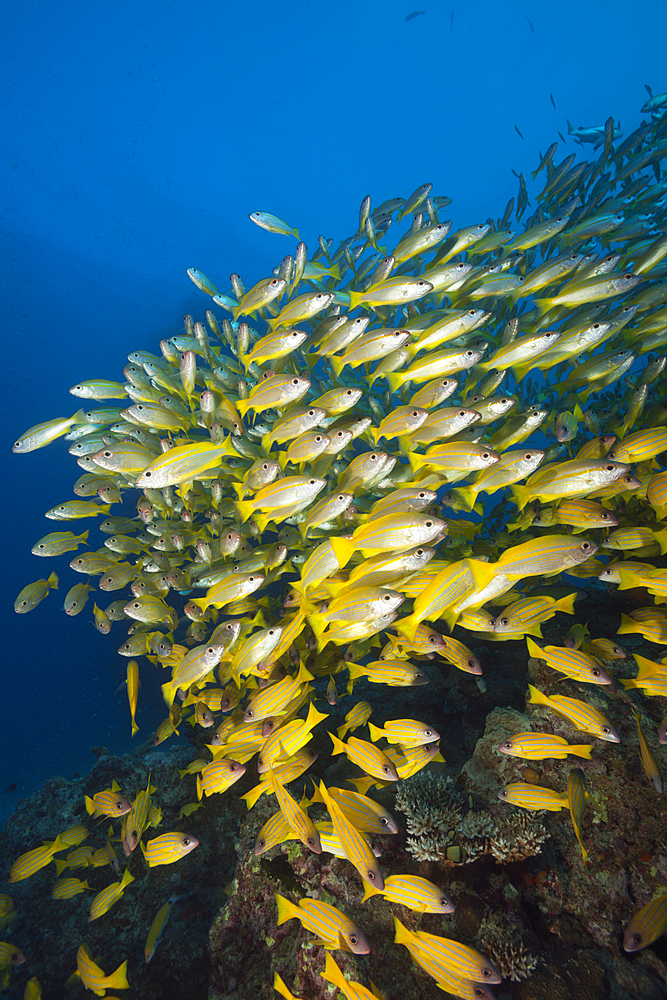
[[414, 892], [647, 925], [571, 662], [578, 713], [541, 746], [527, 796], [354, 845], [92, 976], [168, 848], [332, 927]]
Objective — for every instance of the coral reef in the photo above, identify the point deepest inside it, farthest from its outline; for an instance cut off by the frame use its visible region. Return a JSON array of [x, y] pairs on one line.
[[439, 831]]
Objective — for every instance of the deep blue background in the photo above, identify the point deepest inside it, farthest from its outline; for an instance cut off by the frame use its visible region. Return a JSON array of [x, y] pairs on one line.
[[137, 137]]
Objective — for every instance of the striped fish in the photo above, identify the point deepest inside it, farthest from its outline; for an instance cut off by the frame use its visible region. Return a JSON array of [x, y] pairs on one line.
[[291, 769], [414, 892], [649, 762], [108, 802], [218, 776], [105, 899], [66, 888], [444, 590], [287, 739], [576, 797], [369, 758], [412, 759], [82, 857], [272, 699], [406, 732], [74, 835], [395, 673], [571, 662], [93, 977], [354, 844], [640, 446], [355, 718], [540, 746], [297, 818], [459, 655], [476, 621], [332, 927], [461, 960], [648, 622], [526, 615], [32, 861], [352, 990], [363, 812], [275, 831], [581, 715], [647, 925], [134, 822], [527, 796], [168, 847]]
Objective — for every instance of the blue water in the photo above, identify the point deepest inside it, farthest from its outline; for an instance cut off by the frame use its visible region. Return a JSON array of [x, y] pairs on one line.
[[137, 137]]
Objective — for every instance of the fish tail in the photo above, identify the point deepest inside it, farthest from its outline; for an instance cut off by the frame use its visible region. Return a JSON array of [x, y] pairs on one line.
[[370, 890], [520, 495], [395, 380], [200, 790], [317, 624], [253, 795], [566, 604], [60, 867], [267, 442], [280, 987], [403, 935], [376, 733], [168, 693], [135, 728], [286, 909], [407, 627], [467, 495], [343, 549], [543, 305], [244, 509], [53, 581], [337, 364], [533, 648], [416, 461], [118, 979], [580, 749], [628, 625], [333, 975], [450, 616], [243, 405], [537, 697], [90, 805], [338, 746]]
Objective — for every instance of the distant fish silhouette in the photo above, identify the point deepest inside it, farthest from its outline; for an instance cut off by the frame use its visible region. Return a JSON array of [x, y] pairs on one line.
[[531, 26], [415, 13], [12, 787]]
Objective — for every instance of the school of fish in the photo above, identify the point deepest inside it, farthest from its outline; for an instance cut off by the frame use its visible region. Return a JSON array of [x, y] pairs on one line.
[[301, 489]]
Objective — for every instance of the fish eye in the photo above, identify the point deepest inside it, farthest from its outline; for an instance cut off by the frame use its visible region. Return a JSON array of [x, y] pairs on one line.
[[185, 841], [603, 516], [504, 621], [261, 843], [386, 769], [428, 732], [418, 675], [606, 729], [469, 354], [371, 876], [295, 381], [628, 276], [373, 457], [585, 546], [636, 939], [528, 455], [609, 468], [232, 767], [386, 597], [507, 745], [595, 672], [311, 842]]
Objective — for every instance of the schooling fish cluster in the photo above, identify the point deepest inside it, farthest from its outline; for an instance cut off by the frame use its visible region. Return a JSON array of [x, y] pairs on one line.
[[317, 467]]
